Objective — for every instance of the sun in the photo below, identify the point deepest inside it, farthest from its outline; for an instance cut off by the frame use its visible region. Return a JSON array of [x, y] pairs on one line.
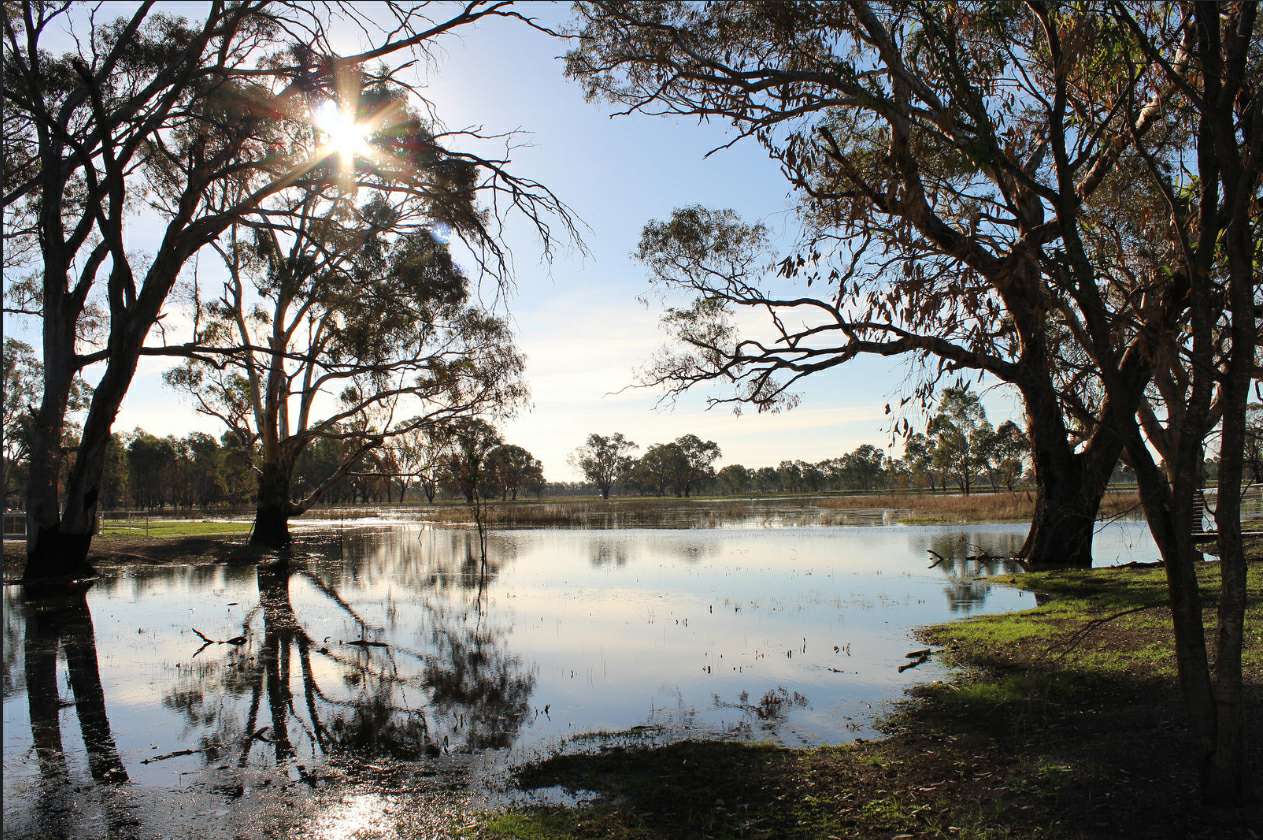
[[342, 134]]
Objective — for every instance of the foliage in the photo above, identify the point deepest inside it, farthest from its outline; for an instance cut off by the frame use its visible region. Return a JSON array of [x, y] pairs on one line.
[[962, 436], [510, 468], [197, 120], [605, 460]]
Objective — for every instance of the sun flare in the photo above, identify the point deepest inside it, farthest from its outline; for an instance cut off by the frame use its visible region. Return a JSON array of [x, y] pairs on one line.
[[341, 133]]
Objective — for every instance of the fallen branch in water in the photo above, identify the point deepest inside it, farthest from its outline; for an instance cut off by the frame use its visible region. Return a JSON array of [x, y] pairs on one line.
[[207, 641], [175, 754], [366, 643], [918, 657], [235, 640]]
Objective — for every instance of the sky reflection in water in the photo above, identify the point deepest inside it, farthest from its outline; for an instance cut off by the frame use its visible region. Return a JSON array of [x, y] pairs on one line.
[[789, 633]]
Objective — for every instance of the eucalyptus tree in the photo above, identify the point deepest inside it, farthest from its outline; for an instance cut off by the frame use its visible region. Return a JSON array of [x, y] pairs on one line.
[[469, 441], [961, 435], [916, 137], [153, 117], [511, 469], [658, 468], [1004, 456], [330, 336], [735, 479], [21, 376], [417, 454], [604, 460], [1200, 245], [697, 464], [1064, 196]]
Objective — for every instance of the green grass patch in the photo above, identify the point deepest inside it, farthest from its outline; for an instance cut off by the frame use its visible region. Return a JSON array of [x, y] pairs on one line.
[[170, 528]]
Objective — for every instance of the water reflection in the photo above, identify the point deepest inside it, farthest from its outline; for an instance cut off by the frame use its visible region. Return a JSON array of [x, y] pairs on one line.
[[61, 627], [398, 646], [64, 624], [352, 697], [966, 557]]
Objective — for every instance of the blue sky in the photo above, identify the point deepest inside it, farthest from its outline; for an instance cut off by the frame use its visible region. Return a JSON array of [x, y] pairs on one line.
[[580, 320]]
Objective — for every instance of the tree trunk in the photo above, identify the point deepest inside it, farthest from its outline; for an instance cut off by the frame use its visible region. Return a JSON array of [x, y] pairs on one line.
[[50, 552], [274, 508], [1228, 776], [1062, 527], [1069, 486], [1171, 523]]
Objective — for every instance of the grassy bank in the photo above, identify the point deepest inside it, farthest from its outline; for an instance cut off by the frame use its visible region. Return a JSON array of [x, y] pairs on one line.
[[166, 541], [173, 528], [976, 507], [1062, 722]]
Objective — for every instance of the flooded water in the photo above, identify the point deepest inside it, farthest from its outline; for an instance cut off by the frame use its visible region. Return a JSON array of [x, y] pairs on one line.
[[390, 658]]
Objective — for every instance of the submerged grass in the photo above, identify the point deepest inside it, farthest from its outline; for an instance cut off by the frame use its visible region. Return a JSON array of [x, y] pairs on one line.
[[616, 512], [699, 512], [1062, 722]]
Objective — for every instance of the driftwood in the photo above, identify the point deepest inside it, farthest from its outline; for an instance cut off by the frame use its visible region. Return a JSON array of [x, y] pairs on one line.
[[981, 556], [917, 657], [175, 754], [208, 641]]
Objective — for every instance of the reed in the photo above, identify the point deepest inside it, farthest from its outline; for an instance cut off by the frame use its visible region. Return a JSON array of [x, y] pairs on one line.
[[977, 507], [658, 512]]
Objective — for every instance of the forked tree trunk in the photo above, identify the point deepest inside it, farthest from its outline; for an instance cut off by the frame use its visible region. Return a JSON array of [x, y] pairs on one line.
[[1062, 527], [58, 539]]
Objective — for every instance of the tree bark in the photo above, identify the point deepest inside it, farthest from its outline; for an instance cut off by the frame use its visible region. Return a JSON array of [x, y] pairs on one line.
[[50, 554], [274, 508], [1069, 485]]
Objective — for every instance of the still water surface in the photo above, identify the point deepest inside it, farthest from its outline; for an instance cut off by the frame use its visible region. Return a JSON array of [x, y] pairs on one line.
[[118, 720]]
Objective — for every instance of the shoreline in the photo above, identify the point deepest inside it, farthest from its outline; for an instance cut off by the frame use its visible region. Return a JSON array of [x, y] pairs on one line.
[[1063, 721]]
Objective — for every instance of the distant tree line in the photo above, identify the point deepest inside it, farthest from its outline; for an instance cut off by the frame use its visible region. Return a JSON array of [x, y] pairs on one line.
[[144, 471], [960, 450]]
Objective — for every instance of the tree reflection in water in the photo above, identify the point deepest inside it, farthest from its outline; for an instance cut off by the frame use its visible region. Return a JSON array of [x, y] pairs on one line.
[[62, 624], [355, 702], [969, 557]]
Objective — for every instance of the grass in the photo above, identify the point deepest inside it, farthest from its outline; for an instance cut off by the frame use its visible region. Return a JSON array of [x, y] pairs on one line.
[[976, 507], [624, 511], [1062, 722], [173, 528], [123, 542], [616, 512]]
